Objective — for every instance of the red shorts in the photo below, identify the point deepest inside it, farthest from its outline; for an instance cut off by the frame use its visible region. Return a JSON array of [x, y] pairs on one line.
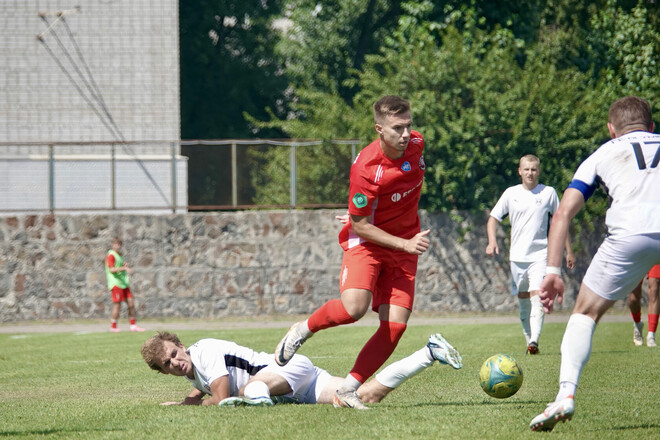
[[388, 275], [654, 272], [119, 294]]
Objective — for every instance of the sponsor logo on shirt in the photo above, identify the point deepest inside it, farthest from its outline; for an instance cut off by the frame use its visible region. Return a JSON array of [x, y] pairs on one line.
[[396, 196], [406, 166], [360, 200]]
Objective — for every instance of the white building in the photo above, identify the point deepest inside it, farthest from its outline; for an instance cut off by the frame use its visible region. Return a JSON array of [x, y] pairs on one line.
[[89, 106]]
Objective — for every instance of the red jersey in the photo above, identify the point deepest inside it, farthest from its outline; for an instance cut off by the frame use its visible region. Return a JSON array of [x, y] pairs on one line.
[[386, 189]]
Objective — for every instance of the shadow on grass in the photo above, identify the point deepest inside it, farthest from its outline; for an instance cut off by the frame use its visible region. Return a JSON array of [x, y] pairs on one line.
[[479, 403], [34, 432], [640, 426]]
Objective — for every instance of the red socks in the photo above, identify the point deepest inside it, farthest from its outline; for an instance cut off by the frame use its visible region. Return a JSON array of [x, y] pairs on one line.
[[636, 316], [330, 314], [653, 322], [377, 350]]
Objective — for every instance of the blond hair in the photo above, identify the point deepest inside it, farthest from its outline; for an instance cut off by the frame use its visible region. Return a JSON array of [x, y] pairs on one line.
[[529, 158]]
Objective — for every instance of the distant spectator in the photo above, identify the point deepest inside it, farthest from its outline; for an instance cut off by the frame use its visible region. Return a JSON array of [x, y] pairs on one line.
[[116, 272]]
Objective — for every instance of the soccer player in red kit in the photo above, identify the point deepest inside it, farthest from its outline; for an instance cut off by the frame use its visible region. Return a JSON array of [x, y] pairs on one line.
[[381, 243]]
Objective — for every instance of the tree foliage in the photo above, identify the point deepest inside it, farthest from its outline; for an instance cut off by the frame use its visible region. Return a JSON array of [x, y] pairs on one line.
[[488, 81], [483, 96]]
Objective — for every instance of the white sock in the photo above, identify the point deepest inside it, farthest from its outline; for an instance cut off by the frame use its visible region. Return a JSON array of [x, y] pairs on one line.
[[639, 325], [650, 335], [536, 315], [575, 349], [398, 372], [525, 307], [256, 389], [350, 384], [566, 389], [303, 329]]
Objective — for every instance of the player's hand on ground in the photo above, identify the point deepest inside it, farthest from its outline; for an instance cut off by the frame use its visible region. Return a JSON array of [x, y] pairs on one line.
[[418, 244], [552, 288], [492, 250]]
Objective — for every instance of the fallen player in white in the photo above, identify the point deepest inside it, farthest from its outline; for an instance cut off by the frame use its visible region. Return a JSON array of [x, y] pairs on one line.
[[233, 375]]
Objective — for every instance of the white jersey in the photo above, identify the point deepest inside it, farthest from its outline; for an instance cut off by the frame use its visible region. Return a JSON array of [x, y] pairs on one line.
[[214, 358], [629, 171], [529, 213]]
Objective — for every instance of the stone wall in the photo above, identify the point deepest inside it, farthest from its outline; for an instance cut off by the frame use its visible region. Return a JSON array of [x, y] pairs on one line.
[[246, 263]]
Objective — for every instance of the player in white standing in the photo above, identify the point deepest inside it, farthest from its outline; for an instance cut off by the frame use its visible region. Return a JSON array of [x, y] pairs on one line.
[[529, 206], [627, 167], [233, 375]]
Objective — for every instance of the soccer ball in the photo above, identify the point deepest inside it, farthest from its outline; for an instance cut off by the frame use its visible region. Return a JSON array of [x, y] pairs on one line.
[[501, 376]]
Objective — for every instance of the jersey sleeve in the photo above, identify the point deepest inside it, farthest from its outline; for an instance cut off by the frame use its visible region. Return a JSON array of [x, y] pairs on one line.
[[501, 208], [362, 193], [209, 359], [110, 260], [585, 179]]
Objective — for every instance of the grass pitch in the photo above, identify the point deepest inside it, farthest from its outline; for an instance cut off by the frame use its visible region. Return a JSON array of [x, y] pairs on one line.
[[96, 386]]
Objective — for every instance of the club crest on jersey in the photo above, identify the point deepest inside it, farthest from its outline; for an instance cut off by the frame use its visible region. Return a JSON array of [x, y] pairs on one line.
[[360, 200], [422, 165], [406, 166]]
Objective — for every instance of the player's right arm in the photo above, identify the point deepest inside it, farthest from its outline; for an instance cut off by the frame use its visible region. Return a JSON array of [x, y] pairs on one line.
[[491, 229], [219, 391], [363, 228], [110, 262]]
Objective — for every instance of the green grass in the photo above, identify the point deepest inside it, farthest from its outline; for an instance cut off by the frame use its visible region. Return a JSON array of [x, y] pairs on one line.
[[96, 386]]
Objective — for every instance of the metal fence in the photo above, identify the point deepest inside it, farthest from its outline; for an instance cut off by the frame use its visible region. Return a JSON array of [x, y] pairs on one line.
[[268, 173], [174, 176]]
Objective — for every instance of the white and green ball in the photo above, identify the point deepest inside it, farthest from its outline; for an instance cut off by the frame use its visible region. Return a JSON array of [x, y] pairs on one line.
[[501, 376]]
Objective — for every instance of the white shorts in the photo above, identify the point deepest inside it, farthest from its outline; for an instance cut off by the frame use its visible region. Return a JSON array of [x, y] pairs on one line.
[[305, 379], [620, 264], [526, 277]]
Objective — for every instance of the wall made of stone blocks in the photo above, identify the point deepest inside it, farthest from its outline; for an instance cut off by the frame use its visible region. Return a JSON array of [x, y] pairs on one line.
[[209, 265]]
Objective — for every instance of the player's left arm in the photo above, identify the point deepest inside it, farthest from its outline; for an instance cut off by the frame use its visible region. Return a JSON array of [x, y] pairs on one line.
[[570, 255], [219, 391], [366, 230]]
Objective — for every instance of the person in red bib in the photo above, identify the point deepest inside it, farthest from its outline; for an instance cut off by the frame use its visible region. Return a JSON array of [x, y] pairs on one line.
[[116, 272], [382, 240], [635, 304]]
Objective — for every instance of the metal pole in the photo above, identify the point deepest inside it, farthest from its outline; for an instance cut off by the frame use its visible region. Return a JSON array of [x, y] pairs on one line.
[[113, 178], [234, 178], [353, 152], [292, 176], [51, 178], [174, 183]]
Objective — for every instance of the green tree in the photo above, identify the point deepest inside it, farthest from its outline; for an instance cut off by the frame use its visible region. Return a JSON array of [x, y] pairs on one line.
[[328, 40], [228, 70]]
